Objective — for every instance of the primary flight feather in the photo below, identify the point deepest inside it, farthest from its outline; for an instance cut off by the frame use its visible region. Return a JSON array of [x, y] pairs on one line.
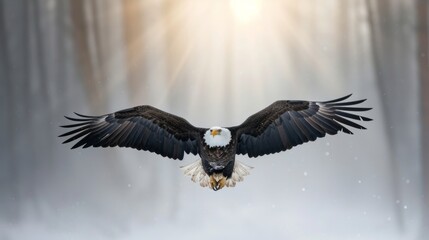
[[278, 127]]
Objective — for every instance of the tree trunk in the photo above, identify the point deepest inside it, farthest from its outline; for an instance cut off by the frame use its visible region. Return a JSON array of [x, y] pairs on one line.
[[389, 70], [423, 68], [83, 40], [8, 165], [134, 47], [344, 38]]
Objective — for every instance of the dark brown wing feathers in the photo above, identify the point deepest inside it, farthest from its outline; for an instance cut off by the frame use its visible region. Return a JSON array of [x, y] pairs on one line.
[[285, 124], [141, 127], [280, 126]]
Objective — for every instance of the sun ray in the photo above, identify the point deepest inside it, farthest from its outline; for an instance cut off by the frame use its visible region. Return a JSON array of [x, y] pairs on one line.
[[245, 11], [232, 44]]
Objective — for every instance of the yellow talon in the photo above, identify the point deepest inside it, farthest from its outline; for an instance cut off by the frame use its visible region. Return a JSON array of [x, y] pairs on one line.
[[217, 184], [213, 183], [221, 183]]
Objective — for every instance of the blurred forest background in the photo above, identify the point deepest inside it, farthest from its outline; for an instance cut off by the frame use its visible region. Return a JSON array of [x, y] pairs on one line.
[[214, 63]]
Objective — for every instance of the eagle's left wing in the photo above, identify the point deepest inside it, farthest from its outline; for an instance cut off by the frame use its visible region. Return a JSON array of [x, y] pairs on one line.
[[142, 127], [285, 124]]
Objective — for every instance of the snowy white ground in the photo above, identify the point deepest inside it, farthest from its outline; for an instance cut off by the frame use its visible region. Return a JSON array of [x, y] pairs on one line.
[[248, 221], [336, 188]]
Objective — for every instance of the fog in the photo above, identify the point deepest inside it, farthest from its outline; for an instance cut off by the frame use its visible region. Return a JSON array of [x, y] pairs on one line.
[[213, 63]]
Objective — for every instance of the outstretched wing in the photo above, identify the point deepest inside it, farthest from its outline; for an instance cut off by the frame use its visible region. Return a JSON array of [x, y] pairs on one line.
[[285, 124], [141, 127]]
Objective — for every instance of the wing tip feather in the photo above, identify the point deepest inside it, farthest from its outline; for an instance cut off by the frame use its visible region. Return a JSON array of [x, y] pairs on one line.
[[338, 99], [86, 116]]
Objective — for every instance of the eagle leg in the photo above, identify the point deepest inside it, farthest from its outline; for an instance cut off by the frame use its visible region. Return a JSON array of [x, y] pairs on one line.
[[217, 184], [221, 183], [213, 183]]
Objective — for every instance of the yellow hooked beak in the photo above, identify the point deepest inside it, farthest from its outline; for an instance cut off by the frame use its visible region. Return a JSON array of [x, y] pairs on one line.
[[214, 132]]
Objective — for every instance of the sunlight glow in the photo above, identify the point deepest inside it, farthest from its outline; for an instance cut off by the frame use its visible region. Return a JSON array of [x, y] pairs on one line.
[[233, 45], [245, 10]]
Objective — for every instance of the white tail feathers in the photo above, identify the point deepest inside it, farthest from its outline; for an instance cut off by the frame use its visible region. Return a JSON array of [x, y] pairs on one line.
[[240, 171], [196, 172]]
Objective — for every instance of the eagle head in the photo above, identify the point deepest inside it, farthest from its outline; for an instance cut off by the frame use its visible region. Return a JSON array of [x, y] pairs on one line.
[[217, 137]]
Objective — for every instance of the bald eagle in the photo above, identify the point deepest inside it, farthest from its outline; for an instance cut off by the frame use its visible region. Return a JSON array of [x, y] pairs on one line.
[[279, 127]]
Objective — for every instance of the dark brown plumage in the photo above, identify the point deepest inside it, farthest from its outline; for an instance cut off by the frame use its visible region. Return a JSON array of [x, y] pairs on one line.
[[285, 124], [278, 127], [141, 127]]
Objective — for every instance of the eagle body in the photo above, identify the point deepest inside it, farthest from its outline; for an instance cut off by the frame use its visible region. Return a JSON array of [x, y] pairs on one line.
[[216, 159], [278, 127]]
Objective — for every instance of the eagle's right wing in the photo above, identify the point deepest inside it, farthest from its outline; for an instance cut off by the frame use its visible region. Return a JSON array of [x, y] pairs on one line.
[[141, 127], [285, 124]]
